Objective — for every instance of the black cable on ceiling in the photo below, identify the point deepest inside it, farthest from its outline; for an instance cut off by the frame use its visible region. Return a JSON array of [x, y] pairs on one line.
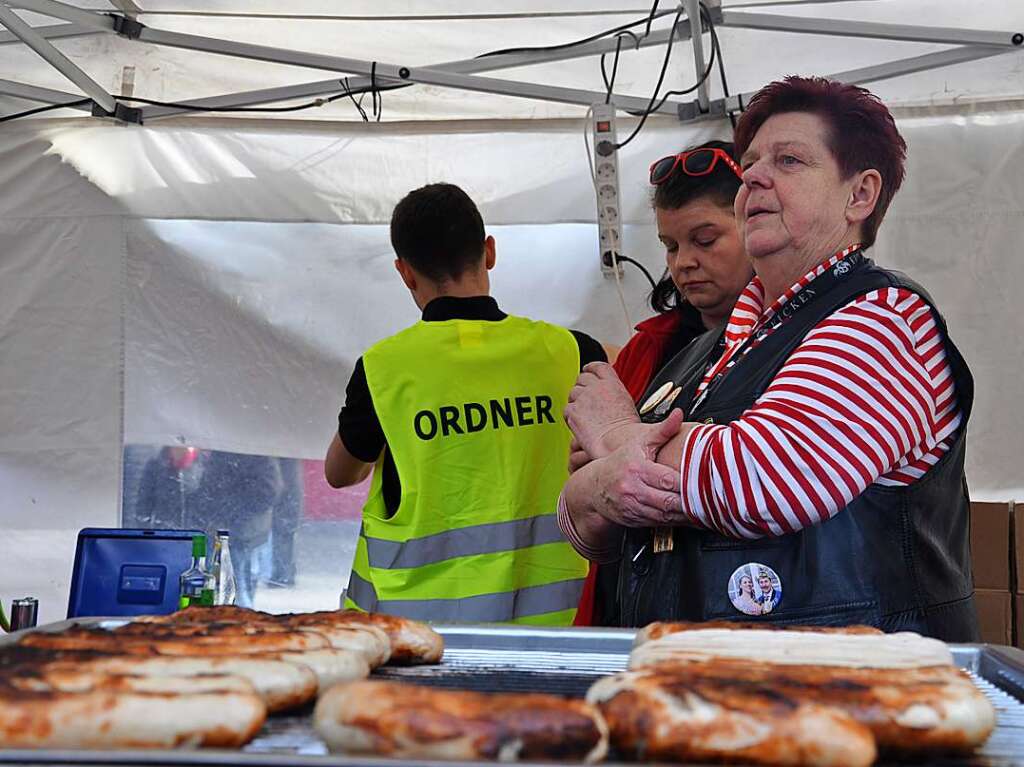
[[609, 83], [657, 87], [376, 100], [47, 108], [622, 28], [650, 17], [357, 104], [704, 75]]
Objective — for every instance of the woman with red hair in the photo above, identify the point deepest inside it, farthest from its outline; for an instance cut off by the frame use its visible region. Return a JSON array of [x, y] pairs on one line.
[[825, 446]]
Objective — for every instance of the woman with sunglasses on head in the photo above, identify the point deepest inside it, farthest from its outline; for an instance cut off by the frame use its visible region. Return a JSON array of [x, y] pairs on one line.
[[706, 269], [825, 445]]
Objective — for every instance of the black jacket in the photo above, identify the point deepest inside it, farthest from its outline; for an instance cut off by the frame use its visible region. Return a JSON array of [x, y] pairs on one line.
[[896, 557]]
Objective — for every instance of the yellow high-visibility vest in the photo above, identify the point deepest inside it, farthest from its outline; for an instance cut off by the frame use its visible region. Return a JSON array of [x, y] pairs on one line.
[[472, 414]]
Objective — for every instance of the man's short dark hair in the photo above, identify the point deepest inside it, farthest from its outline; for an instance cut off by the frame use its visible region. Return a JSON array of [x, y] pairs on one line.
[[438, 231]]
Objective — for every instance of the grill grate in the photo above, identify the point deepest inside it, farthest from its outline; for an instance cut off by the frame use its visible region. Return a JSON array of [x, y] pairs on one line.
[[556, 673], [571, 674], [521, 659]]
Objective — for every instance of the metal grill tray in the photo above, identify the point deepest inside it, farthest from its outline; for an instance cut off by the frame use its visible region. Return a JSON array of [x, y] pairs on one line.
[[502, 658]]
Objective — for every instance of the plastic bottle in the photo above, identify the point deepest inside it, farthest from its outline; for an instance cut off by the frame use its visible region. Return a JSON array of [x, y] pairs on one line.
[[223, 570]]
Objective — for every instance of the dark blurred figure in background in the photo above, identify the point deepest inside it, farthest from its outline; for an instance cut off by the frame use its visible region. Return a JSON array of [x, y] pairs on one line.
[[238, 493], [285, 523], [210, 490], [168, 490]]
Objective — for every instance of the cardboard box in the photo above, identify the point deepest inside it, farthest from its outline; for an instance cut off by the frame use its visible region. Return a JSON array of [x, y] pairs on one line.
[[991, 552], [1018, 612], [1018, 534], [995, 615]]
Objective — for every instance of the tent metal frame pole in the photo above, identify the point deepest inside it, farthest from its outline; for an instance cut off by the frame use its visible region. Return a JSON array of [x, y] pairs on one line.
[[44, 95], [980, 43], [386, 72], [696, 36], [56, 59], [100, 22], [383, 71], [737, 102], [877, 30], [52, 32], [462, 66]]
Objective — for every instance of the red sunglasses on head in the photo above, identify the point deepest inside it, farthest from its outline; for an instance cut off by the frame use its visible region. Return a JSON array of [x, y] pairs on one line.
[[696, 162]]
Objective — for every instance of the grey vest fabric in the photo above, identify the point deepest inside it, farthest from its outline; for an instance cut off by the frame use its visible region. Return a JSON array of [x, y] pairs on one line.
[[897, 558]]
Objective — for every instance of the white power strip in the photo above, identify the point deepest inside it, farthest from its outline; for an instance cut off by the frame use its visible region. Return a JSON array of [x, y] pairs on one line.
[[606, 186]]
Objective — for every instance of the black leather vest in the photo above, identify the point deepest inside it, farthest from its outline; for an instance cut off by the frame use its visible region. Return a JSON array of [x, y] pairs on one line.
[[896, 557]]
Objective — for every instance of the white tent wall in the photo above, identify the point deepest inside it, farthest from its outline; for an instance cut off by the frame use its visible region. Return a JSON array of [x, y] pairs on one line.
[[251, 266], [61, 262]]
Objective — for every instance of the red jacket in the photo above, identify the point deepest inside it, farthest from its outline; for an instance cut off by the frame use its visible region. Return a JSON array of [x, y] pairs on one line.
[[638, 361]]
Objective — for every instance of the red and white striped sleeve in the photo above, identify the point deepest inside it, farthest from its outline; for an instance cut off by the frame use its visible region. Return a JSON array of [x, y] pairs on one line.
[[867, 397]]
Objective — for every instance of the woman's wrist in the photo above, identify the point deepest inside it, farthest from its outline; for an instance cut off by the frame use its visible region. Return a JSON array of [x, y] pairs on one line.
[[593, 536], [617, 435]]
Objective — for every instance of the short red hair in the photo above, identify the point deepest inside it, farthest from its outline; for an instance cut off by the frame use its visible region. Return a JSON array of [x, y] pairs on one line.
[[862, 133]]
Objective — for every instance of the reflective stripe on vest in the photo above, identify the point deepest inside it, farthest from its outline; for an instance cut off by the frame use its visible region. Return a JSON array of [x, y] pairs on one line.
[[485, 608], [472, 415], [466, 541]]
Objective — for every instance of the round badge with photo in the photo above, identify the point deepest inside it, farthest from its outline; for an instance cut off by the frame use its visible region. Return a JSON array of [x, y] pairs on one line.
[[755, 589]]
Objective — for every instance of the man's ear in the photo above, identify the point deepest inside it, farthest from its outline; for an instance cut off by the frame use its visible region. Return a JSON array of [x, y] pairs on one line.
[[408, 275], [867, 186], [490, 255]]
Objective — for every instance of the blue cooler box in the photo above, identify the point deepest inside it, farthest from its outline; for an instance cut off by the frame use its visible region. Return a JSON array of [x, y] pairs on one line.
[[128, 572]]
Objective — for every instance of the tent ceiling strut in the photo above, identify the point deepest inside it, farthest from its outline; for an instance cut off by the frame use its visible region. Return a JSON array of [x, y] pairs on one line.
[[464, 66], [52, 32], [975, 44], [55, 58]]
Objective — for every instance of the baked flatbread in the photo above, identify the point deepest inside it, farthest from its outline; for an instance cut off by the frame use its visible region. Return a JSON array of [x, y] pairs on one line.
[[912, 712], [281, 683], [368, 641], [171, 640], [330, 666], [411, 722], [358, 636], [211, 614], [785, 647], [63, 678], [652, 717], [659, 629], [112, 712], [411, 642]]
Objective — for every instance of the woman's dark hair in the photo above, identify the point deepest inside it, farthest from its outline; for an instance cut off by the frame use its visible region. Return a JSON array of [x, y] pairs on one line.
[[720, 186], [438, 230], [861, 131]]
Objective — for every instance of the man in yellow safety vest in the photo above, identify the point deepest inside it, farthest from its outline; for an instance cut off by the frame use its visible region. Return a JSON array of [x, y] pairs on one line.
[[460, 417]]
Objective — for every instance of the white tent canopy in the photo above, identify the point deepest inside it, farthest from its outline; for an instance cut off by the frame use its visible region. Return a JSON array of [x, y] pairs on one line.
[[210, 278]]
